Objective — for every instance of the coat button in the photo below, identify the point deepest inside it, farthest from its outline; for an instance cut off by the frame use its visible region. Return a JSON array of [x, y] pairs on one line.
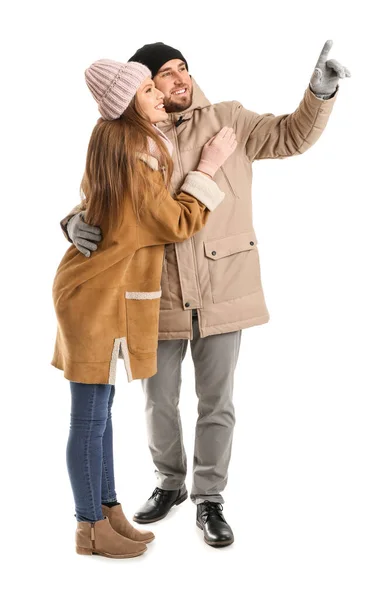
[[213, 253], [187, 304], [252, 243]]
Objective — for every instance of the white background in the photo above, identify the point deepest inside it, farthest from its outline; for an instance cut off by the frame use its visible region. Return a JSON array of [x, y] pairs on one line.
[[302, 494]]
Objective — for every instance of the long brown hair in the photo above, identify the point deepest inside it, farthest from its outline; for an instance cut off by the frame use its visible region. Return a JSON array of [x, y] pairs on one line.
[[113, 170]]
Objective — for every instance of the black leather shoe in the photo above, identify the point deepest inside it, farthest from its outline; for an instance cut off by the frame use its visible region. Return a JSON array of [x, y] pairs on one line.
[[216, 530], [159, 504]]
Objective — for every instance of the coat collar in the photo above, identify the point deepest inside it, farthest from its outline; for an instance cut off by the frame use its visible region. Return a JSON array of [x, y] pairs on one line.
[[151, 161]]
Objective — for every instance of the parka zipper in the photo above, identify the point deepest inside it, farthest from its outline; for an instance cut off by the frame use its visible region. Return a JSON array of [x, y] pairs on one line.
[[192, 243], [177, 151]]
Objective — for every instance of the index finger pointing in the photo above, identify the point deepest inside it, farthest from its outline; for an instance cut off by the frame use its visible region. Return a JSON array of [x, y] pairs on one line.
[[324, 53]]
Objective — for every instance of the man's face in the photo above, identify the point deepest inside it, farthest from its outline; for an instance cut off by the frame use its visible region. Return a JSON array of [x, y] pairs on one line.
[[174, 81]]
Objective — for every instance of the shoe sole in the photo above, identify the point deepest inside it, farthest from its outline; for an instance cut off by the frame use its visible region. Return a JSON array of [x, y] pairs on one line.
[[215, 544], [89, 552], [178, 501]]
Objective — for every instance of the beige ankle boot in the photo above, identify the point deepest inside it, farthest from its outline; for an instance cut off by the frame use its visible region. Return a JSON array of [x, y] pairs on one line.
[[100, 538], [122, 526]]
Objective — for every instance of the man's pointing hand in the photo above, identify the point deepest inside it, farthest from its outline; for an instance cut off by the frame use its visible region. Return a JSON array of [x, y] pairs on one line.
[[325, 78]]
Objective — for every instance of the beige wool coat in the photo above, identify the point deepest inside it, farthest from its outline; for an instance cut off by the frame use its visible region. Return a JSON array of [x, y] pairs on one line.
[[107, 306], [217, 271]]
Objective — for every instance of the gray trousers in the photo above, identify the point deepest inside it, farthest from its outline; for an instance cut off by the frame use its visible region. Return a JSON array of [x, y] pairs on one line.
[[215, 358]]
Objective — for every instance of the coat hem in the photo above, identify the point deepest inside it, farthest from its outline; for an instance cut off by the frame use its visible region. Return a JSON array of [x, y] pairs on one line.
[[99, 372], [216, 329]]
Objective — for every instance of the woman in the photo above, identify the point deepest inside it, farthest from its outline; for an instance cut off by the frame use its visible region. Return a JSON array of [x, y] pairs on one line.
[[108, 306]]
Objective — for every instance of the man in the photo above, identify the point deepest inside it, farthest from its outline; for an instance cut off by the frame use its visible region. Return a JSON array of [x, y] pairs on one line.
[[211, 287]]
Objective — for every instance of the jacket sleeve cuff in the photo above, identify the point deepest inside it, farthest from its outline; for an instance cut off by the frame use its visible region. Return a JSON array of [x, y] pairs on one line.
[[324, 96], [315, 100], [64, 225], [203, 188]]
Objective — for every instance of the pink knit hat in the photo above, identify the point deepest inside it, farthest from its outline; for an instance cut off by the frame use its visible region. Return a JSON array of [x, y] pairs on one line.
[[114, 84]]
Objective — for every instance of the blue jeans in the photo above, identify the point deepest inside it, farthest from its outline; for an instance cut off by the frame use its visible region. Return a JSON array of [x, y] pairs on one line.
[[90, 449]]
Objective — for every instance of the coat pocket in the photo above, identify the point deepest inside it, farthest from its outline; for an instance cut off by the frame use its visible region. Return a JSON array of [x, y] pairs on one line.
[[234, 266], [142, 320], [228, 182]]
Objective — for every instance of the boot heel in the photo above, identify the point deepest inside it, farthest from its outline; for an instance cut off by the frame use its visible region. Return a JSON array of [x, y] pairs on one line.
[[86, 551]]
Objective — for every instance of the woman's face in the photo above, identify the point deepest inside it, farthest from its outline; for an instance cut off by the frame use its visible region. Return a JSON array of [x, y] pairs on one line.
[[151, 101]]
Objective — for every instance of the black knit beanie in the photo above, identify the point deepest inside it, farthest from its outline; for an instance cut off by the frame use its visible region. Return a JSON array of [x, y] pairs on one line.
[[154, 56]]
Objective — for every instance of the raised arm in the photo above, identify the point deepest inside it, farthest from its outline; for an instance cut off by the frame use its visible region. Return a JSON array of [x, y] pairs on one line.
[[270, 136]]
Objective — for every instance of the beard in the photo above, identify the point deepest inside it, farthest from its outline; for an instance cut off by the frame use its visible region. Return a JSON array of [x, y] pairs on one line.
[[172, 106]]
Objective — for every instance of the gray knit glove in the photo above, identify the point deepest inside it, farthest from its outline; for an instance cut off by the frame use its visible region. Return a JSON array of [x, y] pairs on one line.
[[325, 78], [83, 235]]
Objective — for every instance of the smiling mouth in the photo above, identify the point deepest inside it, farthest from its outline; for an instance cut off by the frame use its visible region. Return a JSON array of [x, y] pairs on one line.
[[160, 106], [180, 92]]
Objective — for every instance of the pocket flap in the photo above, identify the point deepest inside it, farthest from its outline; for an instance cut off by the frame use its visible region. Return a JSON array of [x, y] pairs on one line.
[[222, 247]]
